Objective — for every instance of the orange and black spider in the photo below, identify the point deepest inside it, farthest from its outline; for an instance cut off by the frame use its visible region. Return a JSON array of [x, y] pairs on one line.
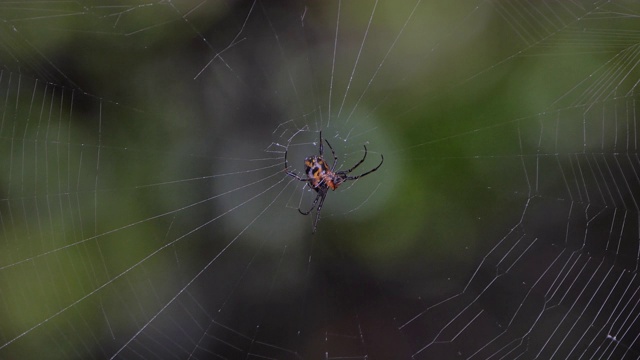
[[321, 178]]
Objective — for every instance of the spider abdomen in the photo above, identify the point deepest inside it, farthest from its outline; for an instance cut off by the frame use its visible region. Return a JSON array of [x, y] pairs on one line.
[[320, 175]]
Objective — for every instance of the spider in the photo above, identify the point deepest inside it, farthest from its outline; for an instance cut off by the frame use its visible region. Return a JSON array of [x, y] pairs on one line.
[[321, 177]]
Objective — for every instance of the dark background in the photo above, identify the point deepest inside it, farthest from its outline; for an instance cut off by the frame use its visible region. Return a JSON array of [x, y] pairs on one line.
[[145, 213]]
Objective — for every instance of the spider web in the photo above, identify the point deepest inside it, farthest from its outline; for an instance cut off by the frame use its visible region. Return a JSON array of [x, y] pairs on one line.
[[145, 213]]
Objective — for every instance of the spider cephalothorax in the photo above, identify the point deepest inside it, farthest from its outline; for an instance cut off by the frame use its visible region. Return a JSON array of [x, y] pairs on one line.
[[321, 177]]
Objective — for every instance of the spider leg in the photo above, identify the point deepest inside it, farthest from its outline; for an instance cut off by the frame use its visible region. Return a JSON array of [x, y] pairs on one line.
[[291, 173], [315, 222], [313, 205], [335, 158], [359, 162], [368, 172], [286, 164], [294, 175], [321, 150]]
